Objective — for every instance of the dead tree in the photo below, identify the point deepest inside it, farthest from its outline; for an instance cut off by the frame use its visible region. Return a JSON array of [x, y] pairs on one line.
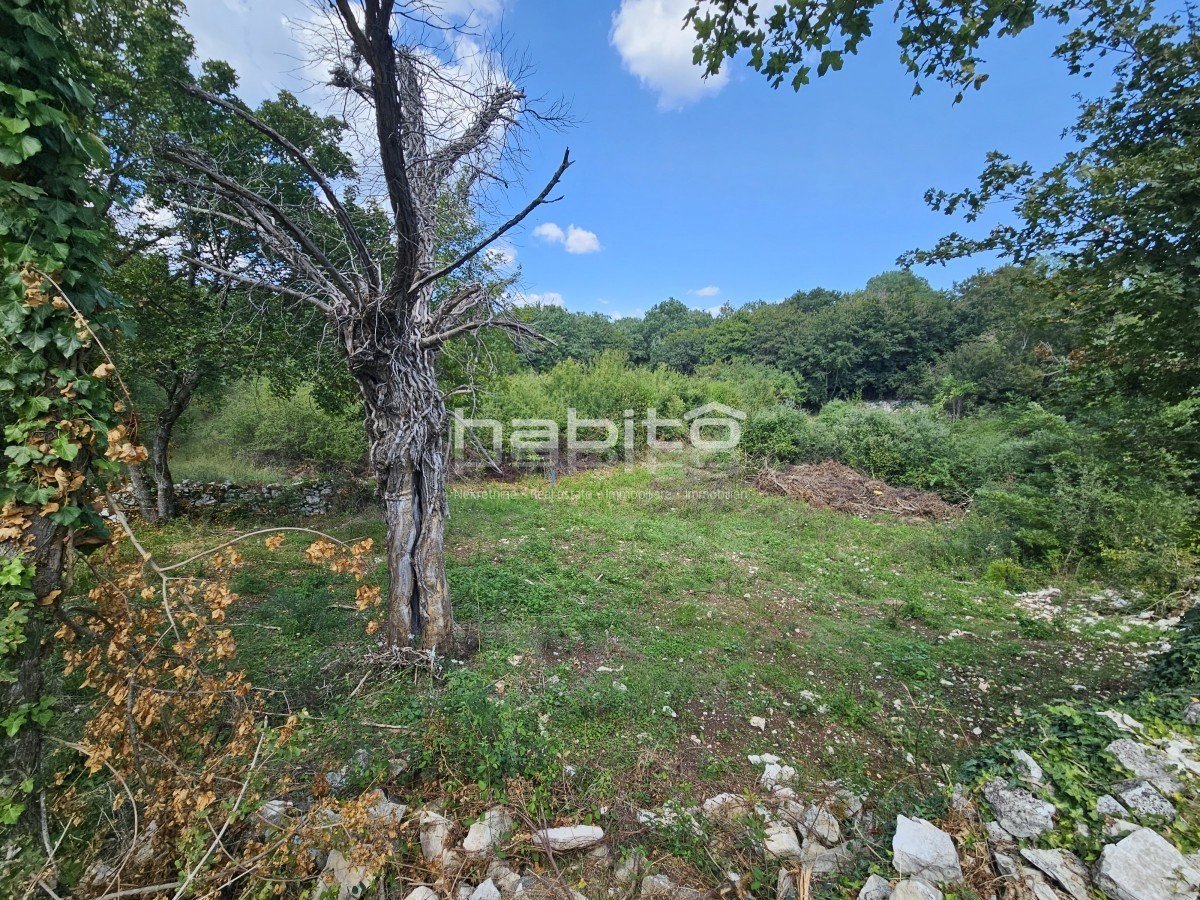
[[389, 306]]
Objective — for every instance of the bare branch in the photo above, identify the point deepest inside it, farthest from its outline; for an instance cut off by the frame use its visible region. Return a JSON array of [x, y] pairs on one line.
[[499, 232], [339, 211], [252, 204], [264, 285], [442, 162], [518, 328]]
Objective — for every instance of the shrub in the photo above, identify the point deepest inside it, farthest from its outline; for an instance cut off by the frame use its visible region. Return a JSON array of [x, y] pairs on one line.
[[779, 435], [256, 425]]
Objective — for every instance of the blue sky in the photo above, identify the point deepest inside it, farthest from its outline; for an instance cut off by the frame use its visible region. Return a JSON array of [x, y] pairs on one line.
[[721, 192]]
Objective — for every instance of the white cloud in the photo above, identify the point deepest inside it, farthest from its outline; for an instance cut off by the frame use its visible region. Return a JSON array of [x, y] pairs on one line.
[[714, 311], [550, 232], [470, 11], [502, 255], [656, 47], [711, 291], [580, 240], [575, 239], [549, 298]]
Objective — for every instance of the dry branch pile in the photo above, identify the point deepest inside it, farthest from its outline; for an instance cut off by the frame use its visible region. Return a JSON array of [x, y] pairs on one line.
[[832, 485]]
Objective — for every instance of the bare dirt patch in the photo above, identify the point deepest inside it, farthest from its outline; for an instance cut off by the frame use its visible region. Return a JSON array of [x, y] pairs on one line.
[[832, 485]]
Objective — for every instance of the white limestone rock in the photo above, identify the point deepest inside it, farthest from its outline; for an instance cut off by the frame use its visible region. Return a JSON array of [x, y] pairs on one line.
[[875, 888], [1142, 798], [780, 841], [818, 823], [726, 808], [435, 834], [1146, 764], [921, 848], [569, 837], [916, 889], [777, 775], [486, 891], [1063, 867], [489, 831], [1145, 866], [350, 880], [826, 860], [1019, 812]]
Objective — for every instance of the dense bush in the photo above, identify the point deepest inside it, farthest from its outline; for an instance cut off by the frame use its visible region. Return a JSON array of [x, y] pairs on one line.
[[254, 424], [1044, 492]]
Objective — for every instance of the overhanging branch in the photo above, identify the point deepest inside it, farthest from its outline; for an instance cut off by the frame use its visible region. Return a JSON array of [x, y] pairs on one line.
[[537, 201]]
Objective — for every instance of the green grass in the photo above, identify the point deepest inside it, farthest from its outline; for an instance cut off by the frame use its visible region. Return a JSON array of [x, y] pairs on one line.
[[209, 465], [619, 594]]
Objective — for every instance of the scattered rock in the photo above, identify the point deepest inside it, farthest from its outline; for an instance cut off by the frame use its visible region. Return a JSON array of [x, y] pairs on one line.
[[726, 808], [570, 837], [421, 893], [775, 775], [1063, 867], [435, 834], [489, 831], [503, 877], [1146, 763], [351, 881], [921, 848], [1019, 812], [486, 891], [1191, 715], [1142, 798], [819, 824], [662, 887], [915, 889], [785, 886], [758, 722], [1108, 805], [826, 861], [1032, 769], [875, 888], [630, 867], [780, 841], [1145, 866]]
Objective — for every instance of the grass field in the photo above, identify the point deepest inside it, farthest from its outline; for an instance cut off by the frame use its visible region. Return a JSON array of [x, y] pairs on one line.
[[630, 626]]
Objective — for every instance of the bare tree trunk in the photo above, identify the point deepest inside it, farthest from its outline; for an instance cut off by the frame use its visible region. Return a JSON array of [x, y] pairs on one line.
[[179, 395], [141, 493], [406, 430]]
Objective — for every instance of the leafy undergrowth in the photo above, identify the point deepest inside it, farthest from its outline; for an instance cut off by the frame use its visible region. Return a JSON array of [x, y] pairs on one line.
[[630, 626]]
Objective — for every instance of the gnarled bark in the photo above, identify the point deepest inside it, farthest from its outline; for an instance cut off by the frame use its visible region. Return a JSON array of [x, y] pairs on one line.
[[392, 311]]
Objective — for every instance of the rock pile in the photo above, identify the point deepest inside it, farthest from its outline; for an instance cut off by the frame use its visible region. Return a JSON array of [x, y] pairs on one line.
[[813, 836], [1136, 863]]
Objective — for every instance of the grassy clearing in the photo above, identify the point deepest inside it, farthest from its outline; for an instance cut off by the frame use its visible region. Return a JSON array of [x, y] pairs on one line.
[[631, 624]]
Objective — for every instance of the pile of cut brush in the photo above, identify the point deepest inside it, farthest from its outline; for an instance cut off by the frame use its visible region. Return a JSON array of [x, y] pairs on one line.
[[832, 485]]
